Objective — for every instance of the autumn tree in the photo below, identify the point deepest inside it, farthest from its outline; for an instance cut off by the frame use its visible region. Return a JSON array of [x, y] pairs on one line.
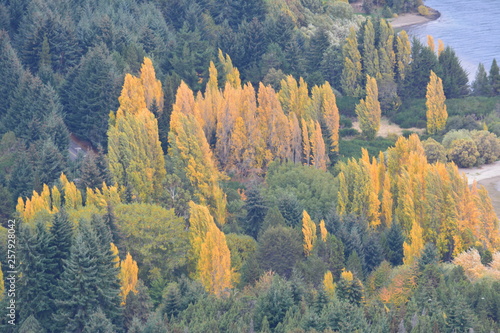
[[328, 284], [413, 249], [193, 160], [308, 232], [436, 107], [135, 155], [214, 265], [368, 110], [128, 276], [430, 43], [325, 107], [209, 255]]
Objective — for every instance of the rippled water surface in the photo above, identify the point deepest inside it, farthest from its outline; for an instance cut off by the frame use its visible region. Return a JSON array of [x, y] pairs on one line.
[[471, 27]]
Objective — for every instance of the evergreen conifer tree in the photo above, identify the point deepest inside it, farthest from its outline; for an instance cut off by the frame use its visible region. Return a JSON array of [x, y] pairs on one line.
[[481, 85], [38, 281], [61, 240], [494, 78], [455, 79], [256, 209]]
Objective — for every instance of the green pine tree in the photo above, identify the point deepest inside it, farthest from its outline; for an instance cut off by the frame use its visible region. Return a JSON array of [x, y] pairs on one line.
[[98, 323], [455, 79], [61, 240], [88, 95], [494, 78], [89, 281], [481, 85], [10, 72], [256, 209], [38, 281], [31, 325]]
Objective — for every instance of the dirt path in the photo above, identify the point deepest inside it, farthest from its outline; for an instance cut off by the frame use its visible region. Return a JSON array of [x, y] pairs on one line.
[[388, 128]]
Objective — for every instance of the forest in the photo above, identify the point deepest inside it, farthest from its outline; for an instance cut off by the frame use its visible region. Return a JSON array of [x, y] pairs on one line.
[[217, 166]]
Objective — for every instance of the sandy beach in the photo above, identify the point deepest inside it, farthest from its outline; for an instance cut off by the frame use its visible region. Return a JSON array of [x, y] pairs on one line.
[[405, 20]]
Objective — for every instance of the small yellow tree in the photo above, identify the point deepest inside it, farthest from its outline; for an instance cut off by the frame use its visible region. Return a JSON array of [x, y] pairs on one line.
[[323, 231], [128, 276], [436, 107], [309, 232], [328, 284]]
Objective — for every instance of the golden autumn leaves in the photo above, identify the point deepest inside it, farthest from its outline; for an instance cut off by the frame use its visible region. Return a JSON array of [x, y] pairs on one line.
[[432, 202]]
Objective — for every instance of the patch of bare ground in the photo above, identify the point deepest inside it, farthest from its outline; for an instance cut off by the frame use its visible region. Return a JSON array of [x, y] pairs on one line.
[[388, 128], [358, 7]]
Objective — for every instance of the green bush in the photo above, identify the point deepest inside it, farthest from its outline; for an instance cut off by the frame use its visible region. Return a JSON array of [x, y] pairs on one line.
[[434, 151], [464, 153], [352, 148], [347, 105], [348, 132], [345, 122]]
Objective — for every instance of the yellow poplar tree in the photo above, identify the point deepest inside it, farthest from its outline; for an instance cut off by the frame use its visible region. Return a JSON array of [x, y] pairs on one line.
[[192, 156], [294, 97], [436, 107], [309, 233], [296, 139], [368, 110], [431, 44], [153, 92], [214, 266], [440, 46], [328, 284], [136, 160], [306, 142], [346, 275], [128, 276], [274, 124], [199, 220], [325, 106], [322, 230], [413, 249], [320, 157]]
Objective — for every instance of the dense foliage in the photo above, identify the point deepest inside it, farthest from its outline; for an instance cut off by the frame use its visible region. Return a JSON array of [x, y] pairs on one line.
[[191, 166]]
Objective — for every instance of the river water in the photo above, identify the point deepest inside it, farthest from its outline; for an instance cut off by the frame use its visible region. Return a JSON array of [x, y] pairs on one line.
[[470, 27]]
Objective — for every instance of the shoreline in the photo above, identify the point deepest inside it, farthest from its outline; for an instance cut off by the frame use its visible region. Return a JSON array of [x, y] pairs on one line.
[[409, 19]]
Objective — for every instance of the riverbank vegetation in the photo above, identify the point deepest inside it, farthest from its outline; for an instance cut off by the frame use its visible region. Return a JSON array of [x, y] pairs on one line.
[[222, 186]]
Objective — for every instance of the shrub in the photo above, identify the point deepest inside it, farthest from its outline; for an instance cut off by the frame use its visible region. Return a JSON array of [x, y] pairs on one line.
[[455, 135], [488, 146], [464, 153], [348, 132], [423, 10], [345, 122], [462, 122], [434, 151]]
